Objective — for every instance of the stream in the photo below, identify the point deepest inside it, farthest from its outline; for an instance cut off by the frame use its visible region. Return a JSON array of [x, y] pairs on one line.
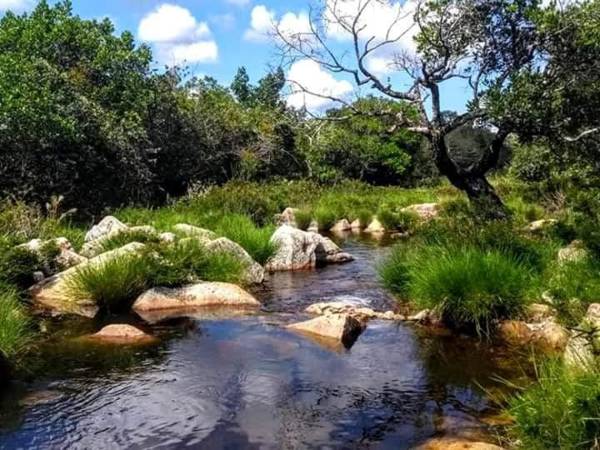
[[247, 383]]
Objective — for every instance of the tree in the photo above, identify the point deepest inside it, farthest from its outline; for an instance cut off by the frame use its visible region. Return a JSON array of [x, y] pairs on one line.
[[483, 42]]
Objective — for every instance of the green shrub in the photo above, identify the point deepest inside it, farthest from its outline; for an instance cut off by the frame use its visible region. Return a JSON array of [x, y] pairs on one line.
[[387, 218], [15, 330], [468, 286], [561, 410], [365, 217], [325, 218], [19, 220], [256, 241], [303, 218], [17, 265], [573, 286]]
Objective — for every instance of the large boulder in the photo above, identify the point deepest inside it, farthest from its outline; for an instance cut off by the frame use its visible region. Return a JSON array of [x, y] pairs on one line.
[[573, 252], [295, 250], [195, 232], [425, 211], [194, 296], [342, 328], [122, 334], [302, 250], [108, 226], [52, 293], [255, 274]]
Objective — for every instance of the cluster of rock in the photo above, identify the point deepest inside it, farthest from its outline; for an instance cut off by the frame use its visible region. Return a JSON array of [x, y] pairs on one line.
[[423, 211]]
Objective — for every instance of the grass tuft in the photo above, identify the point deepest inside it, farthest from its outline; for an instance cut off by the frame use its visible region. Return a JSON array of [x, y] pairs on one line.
[[15, 333], [256, 241]]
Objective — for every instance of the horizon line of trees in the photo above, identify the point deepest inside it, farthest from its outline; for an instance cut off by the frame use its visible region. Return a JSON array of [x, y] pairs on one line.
[[83, 115]]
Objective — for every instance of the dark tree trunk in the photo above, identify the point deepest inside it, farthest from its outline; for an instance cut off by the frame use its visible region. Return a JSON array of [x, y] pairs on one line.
[[472, 179]]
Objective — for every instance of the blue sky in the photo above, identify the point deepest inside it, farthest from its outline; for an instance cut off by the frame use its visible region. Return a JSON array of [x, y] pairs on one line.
[[215, 37]]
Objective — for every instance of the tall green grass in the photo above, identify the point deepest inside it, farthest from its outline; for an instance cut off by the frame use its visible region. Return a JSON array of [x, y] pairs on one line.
[[116, 283], [15, 331], [469, 287], [560, 411], [255, 240]]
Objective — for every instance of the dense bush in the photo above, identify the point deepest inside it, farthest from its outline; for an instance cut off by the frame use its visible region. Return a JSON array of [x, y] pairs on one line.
[[15, 330], [562, 410]]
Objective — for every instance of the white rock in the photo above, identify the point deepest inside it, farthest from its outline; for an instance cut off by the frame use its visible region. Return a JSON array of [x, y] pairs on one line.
[[107, 226], [574, 252], [341, 226], [255, 274], [341, 328], [540, 225], [375, 227]]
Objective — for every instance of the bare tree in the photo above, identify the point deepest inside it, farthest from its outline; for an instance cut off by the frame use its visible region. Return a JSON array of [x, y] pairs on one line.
[[482, 42]]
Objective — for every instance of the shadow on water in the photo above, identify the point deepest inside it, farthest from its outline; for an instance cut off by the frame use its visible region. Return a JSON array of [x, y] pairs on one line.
[[249, 383]]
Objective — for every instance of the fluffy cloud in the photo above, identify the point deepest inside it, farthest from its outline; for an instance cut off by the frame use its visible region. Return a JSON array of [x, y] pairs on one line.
[[309, 75], [263, 23], [15, 5], [177, 36]]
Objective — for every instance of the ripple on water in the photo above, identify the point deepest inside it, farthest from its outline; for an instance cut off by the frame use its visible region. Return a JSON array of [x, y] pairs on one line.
[[248, 383]]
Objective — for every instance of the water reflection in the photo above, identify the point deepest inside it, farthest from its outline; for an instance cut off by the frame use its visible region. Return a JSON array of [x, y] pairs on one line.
[[248, 383]]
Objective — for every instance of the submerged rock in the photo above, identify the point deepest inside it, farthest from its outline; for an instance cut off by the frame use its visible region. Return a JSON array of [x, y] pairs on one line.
[[122, 334], [254, 274], [107, 226], [327, 252], [425, 211], [326, 308], [53, 293], [342, 328], [194, 296]]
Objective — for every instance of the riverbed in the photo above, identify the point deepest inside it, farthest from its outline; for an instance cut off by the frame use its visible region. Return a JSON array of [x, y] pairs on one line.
[[247, 383]]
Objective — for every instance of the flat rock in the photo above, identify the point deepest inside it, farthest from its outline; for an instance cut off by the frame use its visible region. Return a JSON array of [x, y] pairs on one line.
[[194, 296], [122, 334], [254, 274], [342, 328], [540, 225], [326, 308]]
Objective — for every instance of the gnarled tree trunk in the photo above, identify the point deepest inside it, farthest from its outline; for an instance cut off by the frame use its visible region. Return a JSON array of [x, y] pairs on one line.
[[472, 179]]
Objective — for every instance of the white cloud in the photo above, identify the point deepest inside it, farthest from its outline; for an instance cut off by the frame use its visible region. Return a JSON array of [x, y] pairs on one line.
[[178, 37], [263, 22], [15, 5], [309, 75], [224, 21]]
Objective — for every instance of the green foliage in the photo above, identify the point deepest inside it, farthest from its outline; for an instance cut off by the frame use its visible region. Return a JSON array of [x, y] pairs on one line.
[[397, 220], [15, 332], [115, 284], [17, 266], [325, 217], [573, 286], [256, 241], [127, 236], [561, 410], [468, 286]]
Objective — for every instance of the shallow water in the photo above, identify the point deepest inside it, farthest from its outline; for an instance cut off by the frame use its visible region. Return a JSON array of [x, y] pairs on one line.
[[248, 383]]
